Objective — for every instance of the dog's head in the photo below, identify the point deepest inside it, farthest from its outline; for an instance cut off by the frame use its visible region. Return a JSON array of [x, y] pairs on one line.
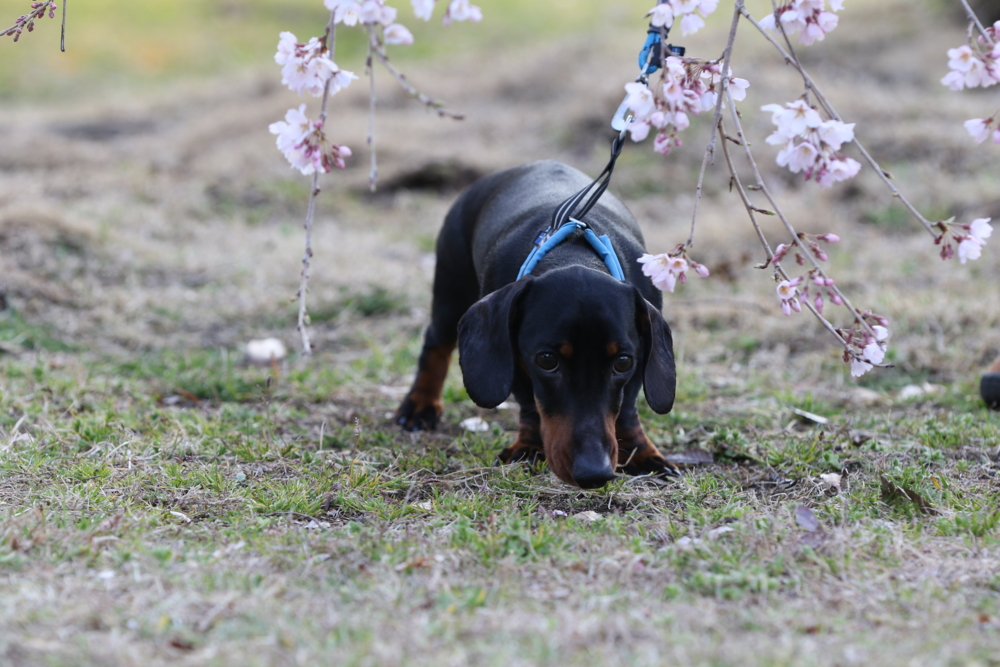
[[580, 337]]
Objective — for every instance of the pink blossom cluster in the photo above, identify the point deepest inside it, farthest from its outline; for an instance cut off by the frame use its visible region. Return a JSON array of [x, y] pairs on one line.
[[789, 291], [27, 21], [458, 10], [307, 67], [971, 68], [806, 18], [813, 247], [305, 144], [376, 12], [970, 240], [866, 348], [686, 11], [668, 270], [685, 86], [810, 144], [982, 128], [370, 13]]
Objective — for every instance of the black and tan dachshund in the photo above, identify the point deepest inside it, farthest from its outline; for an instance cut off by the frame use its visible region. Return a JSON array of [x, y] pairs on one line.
[[571, 342]]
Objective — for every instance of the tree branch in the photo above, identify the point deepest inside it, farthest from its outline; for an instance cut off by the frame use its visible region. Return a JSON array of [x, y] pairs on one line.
[[821, 98], [329, 42], [717, 117]]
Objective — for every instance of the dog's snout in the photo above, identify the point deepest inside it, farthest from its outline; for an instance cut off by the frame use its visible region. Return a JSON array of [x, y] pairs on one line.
[[592, 470]]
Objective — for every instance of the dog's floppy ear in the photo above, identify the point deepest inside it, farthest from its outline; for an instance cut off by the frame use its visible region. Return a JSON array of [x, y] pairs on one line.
[[659, 376], [486, 340]]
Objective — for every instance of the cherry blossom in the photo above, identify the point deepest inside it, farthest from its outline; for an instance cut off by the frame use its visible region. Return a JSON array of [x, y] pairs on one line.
[[668, 270], [971, 238], [462, 10], [423, 8], [307, 68], [806, 18], [982, 129], [737, 87], [665, 13], [973, 68], [866, 346], [367, 12], [788, 291], [810, 144], [305, 145], [397, 34], [684, 87]]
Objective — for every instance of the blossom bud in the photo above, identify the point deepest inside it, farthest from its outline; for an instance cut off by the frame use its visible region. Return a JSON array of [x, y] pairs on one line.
[[818, 301], [829, 238], [799, 259], [700, 269], [780, 252], [835, 299], [796, 306], [947, 252]]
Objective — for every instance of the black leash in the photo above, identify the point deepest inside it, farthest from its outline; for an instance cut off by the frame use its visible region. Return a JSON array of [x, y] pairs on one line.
[[650, 57]]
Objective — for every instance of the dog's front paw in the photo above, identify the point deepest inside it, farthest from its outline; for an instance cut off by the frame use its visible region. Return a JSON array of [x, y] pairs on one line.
[[418, 413], [649, 461], [520, 451]]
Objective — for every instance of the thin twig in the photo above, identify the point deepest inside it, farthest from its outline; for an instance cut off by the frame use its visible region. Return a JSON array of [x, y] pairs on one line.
[[435, 105], [62, 36], [373, 172], [811, 86], [27, 21], [329, 42], [717, 116], [975, 19], [751, 209], [760, 234]]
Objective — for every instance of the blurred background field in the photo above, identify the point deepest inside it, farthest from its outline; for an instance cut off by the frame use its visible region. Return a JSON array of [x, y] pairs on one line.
[[149, 228]]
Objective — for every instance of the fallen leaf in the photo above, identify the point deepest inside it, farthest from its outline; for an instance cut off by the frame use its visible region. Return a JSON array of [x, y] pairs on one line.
[[475, 425], [809, 416], [831, 480], [588, 516], [716, 533], [691, 457], [805, 518], [893, 492]]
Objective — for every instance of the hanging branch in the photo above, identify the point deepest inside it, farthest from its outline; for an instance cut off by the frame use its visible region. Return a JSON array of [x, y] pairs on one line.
[[821, 98], [373, 172], [329, 42], [434, 105], [717, 116], [761, 186]]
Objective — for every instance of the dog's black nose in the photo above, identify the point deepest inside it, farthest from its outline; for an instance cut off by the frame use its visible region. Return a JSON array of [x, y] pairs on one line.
[[592, 472]]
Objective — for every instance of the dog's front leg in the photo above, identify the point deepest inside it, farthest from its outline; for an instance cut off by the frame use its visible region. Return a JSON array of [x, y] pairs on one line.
[[528, 445], [637, 455]]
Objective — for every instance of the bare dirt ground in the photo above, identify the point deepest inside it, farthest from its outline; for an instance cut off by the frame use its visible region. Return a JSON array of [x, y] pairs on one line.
[[166, 225]]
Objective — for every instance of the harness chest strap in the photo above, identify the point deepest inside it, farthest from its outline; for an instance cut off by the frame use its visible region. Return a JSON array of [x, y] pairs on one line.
[[601, 245]]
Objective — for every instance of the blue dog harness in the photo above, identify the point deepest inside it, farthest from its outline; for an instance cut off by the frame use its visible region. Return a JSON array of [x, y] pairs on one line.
[[546, 241], [563, 221]]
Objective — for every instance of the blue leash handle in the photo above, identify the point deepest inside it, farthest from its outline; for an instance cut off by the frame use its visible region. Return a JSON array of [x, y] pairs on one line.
[[601, 245]]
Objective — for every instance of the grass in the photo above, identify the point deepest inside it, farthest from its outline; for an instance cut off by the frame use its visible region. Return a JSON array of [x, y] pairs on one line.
[[227, 530], [163, 502]]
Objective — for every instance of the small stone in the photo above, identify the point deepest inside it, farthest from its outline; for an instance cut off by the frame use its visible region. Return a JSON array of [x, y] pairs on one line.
[[588, 516], [475, 425], [264, 351]]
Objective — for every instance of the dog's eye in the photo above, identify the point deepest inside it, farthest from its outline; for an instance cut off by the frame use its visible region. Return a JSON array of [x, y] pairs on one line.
[[546, 361], [623, 364]]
